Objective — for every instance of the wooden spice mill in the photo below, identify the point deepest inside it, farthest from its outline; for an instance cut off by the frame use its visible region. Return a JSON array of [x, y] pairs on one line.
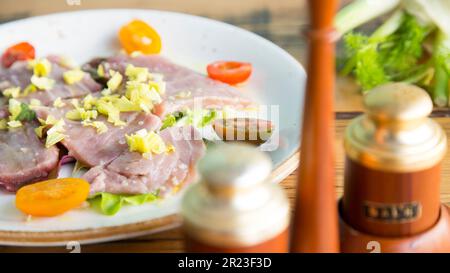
[[393, 159]]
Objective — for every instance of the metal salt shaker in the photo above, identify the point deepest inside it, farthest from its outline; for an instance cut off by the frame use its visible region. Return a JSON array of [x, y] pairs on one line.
[[235, 208]]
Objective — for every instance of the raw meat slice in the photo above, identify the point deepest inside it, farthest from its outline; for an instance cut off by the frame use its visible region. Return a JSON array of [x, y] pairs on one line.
[[19, 75], [93, 149], [24, 159], [185, 87], [131, 173]]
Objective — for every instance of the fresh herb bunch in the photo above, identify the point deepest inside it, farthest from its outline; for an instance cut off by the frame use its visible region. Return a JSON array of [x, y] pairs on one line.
[[396, 50]]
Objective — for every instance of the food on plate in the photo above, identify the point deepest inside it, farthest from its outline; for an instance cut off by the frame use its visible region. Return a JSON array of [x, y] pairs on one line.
[[412, 45], [91, 146], [110, 204], [133, 125], [138, 36], [133, 173], [19, 52], [250, 130], [52, 197], [229, 72], [182, 86], [43, 80], [23, 157]]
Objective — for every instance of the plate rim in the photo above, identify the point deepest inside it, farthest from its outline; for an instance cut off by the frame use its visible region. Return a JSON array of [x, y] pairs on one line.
[[118, 232], [141, 228]]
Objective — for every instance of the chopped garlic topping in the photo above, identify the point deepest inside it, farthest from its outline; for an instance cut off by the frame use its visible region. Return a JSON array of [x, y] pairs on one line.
[[183, 95], [143, 95], [100, 126], [41, 68], [54, 138], [146, 143], [123, 104], [39, 131], [50, 120], [12, 92], [14, 124], [67, 62], [14, 108], [113, 114], [3, 124], [106, 92], [115, 81], [44, 123], [55, 133], [139, 74], [31, 88], [75, 103], [81, 114], [89, 102], [157, 77], [160, 87], [101, 71], [170, 148], [58, 103], [35, 102], [73, 76], [42, 83]]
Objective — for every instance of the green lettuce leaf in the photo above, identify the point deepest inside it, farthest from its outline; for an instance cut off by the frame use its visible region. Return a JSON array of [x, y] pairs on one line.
[[110, 204]]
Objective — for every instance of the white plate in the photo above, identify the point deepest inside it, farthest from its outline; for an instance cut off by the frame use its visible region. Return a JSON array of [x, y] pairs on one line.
[[278, 79]]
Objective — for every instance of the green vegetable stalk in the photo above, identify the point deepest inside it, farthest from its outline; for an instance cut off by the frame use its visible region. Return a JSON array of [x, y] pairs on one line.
[[441, 59], [360, 11], [395, 50], [440, 92], [391, 53]]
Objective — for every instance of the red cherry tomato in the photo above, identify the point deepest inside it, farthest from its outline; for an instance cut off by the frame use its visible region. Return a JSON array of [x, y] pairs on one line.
[[229, 72], [19, 52]]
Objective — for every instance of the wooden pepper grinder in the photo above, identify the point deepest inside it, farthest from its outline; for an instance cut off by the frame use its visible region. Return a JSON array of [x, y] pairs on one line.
[[316, 214], [392, 175], [235, 208]]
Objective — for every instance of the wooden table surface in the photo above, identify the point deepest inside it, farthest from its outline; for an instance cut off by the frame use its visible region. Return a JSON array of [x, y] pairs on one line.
[[280, 21]]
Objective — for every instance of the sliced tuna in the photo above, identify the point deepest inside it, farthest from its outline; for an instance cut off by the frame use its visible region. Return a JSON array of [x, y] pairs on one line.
[[24, 159], [19, 75], [184, 86], [131, 173], [93, 149]]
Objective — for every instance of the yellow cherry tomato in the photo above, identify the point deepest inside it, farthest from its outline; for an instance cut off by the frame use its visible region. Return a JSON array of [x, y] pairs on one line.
[[139, 36], [52, 197]]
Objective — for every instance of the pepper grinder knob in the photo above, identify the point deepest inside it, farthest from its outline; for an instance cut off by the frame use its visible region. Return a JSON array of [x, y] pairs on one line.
[[396, 134], [398, 103]]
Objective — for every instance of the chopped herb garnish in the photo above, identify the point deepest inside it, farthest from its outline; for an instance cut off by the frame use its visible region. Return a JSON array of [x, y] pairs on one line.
[[26, 114]]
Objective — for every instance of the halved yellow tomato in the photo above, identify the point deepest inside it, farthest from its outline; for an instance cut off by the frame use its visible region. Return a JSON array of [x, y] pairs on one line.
[[52, 197], [139, 36]]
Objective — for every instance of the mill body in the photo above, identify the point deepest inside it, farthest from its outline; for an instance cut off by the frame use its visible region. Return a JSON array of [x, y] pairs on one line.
[[393, 166]]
